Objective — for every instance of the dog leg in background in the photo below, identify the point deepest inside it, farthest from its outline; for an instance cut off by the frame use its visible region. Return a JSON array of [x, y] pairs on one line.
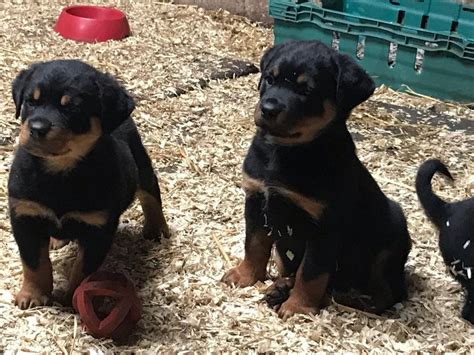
[[148, 192], [93, 249], [258, 246]]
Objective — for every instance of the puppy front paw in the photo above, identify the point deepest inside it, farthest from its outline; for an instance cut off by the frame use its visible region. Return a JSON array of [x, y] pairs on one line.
[[153, 231], [293, 306], [243, 275], [29, 298], [279, 291]]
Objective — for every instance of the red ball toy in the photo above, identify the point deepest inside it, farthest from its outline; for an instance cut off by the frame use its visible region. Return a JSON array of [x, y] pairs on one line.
[[108, 305]]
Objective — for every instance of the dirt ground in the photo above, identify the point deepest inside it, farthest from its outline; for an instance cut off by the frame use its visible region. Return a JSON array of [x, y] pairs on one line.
[[197, 142]]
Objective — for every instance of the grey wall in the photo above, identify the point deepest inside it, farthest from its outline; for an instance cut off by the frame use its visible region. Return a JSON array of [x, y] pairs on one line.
[[256, 10]]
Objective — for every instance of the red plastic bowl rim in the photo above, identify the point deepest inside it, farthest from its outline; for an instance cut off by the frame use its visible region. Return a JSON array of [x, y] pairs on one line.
[[121, 14]]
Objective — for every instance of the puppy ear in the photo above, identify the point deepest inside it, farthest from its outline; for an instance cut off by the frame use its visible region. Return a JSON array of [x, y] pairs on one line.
[[117, 105], [18, 88], [354, 85]]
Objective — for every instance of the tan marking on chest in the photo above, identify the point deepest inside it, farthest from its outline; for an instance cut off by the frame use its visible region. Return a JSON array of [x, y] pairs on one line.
[[35, 209], [312, 207], [94, 218], [251, 185], [31, 209]]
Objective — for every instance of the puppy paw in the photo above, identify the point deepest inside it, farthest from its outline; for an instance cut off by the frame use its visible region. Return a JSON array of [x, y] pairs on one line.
[[55, 244], [242, 275], [31, 298], [279, 291], [293, 306], [153, 231], [63, 297]]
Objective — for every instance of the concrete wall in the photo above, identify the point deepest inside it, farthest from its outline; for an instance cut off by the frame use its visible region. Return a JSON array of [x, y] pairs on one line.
[[256, 10]]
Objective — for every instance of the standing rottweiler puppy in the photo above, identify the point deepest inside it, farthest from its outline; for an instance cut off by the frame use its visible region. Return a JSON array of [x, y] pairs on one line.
[[79, 164], [455, 222], [308, 193]]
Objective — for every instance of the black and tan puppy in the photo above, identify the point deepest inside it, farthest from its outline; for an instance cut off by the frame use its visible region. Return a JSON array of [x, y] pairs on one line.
[[455, 222], [308, 193], [79, 164]]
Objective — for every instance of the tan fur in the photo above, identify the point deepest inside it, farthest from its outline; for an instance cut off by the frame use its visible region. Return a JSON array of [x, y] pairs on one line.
[[36, 94], [155, 222], [95, 218], [251, 185], [77, 146], [77, 273], [37, 284], [275, 71], [35, 209], [31, 208], [313, 208], [302, 78], [308, 128], [65, 99]]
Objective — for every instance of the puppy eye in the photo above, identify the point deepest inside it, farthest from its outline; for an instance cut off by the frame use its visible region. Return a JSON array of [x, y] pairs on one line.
[[270, 80]]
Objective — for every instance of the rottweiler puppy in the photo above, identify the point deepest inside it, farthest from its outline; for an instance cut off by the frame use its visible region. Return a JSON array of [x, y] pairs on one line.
[[308, 193], [455, 223], [79, 164]]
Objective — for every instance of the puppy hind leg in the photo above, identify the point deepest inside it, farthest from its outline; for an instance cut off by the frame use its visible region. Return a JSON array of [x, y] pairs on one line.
[[149, 193]]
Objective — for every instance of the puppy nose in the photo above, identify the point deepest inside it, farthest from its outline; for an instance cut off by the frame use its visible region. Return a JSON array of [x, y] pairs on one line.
[[271, 108], [39, 127]]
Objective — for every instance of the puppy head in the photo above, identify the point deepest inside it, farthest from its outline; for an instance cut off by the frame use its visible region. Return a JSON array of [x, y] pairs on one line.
[[65, 106], [304, 87]]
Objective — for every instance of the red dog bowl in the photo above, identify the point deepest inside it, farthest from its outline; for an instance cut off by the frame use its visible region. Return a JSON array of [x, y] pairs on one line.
[[92, 24]]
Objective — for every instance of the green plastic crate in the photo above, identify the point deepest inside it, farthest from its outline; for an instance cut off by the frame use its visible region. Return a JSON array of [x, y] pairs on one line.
[[434, 63], [434, 15]]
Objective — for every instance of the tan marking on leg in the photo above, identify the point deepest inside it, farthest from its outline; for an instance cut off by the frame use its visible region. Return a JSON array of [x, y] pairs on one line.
[[314, 208], [155, 222], [309, 128], [55, 244], [251, 185], [75, 146], [306, 297], [77, 273], [65, 99], [254, 266], [36, 94], [37, 284], [93, 218], [31, 208]]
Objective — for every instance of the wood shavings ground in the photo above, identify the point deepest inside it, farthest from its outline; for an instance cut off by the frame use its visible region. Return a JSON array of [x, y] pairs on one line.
[[197, 142]]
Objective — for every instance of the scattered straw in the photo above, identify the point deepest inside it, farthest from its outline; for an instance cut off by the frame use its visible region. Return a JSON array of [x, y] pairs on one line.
[[197, 143]]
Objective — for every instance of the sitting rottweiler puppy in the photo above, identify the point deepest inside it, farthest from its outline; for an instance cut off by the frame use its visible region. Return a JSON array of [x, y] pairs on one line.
[[79, 164], [308, 193], [455, 222]]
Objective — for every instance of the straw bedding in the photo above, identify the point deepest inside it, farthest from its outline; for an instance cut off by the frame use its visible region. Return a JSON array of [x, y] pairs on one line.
[[197, 142]]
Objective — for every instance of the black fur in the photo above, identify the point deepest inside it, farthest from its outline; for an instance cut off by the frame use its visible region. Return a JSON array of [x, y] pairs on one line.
[[105, 179], [361, 238], [455, 222]]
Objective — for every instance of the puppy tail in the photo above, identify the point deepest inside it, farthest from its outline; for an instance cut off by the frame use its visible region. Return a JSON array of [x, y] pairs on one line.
[[435, 207]]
